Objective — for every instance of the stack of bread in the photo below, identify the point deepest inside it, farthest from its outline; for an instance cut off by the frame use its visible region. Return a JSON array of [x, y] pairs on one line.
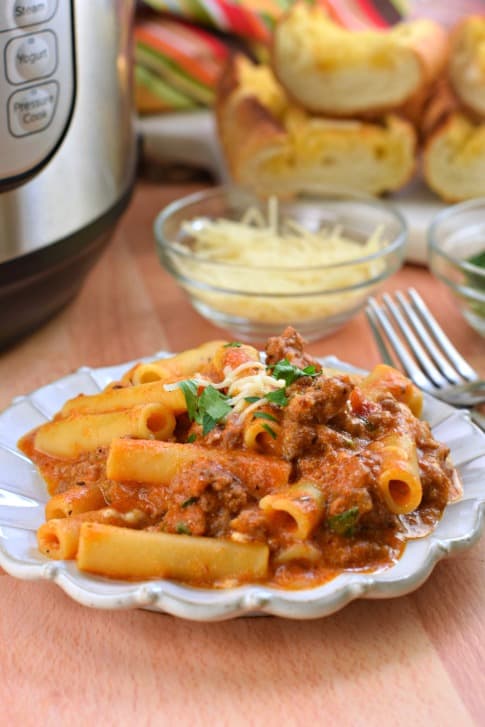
[[453, 118], [350, 109]]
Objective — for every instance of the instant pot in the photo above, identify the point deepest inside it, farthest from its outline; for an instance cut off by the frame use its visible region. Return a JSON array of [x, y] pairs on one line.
[[67, 148]]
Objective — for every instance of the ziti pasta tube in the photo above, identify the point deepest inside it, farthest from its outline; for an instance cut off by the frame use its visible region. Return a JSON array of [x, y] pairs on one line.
[[399, 479], [303, 502], [59, 538], [385, 379], [74, 501], [123, 553], [79, 433], [180, 366], [115, 399], [151, 462], [263, 436]]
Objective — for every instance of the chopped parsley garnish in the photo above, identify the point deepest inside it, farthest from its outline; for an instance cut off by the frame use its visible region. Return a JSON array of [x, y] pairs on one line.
[[344, 523], [211, 406], [206, 409], [233, 344], [264, 415], [183, 529], [190, 388], [290, 373], [190, 501], [191, 438], [277, 397], [270, 431]]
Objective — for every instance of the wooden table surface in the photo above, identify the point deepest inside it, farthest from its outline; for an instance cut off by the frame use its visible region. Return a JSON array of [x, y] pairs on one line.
[[418, 660]]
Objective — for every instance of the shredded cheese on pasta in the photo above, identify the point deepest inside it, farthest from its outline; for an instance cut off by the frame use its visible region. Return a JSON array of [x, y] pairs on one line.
[[259, 256], [239, 388], [240, 385]]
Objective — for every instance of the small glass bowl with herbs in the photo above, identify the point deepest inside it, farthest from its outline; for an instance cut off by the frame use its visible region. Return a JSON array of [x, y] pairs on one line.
[[456, 254]]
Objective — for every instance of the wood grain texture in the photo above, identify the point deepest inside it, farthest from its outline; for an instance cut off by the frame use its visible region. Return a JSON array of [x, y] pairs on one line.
[[417, 659]]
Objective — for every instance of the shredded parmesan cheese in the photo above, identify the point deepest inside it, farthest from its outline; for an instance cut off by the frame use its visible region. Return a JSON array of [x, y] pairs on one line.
[[239, 265], [249, 379]]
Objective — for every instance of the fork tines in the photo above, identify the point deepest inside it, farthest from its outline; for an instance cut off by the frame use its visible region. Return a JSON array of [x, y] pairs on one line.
[[421, 347]]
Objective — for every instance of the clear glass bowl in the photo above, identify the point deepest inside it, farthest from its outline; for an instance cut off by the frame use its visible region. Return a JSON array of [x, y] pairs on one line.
[[456, 254], [254, 301]]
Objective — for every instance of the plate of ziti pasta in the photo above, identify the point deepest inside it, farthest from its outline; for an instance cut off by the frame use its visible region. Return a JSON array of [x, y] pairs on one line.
[[225, 481]]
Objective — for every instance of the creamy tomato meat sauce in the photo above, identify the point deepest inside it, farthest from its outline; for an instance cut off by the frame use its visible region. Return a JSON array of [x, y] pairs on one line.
[[324, 430]]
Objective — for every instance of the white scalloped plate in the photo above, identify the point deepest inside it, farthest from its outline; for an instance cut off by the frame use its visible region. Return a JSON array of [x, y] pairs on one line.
[[23, 496]]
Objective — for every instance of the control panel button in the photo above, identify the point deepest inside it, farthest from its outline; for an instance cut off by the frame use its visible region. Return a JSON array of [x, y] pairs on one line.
[[31, 57], [21, 13], [32, 109], [29, 12]]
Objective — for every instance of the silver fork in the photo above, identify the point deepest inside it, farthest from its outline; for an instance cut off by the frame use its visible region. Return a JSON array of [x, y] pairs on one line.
[[424, 351]]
